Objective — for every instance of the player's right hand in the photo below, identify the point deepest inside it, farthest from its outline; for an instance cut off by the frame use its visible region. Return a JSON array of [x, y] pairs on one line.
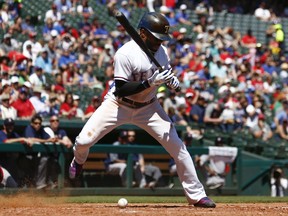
[[160, 77]]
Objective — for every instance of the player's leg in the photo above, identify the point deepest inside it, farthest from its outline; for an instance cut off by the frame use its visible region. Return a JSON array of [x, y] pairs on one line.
[[107, 117], [173, 173], [154, 173], [215, 181], [155, 121], [41, 174], [118, 169], [139, 177], [7, 179], [1, 175]]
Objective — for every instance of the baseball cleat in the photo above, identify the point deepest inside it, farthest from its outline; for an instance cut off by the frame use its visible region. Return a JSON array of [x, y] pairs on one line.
[[205, 202], [75, 170]]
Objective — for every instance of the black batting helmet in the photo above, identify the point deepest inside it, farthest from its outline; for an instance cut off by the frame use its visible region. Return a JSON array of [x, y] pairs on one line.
[[156, 24]]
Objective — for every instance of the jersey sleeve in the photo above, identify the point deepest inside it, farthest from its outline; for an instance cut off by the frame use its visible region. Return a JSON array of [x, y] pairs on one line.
[[62, 133], [28, 132], [122, 67], [3, 136]]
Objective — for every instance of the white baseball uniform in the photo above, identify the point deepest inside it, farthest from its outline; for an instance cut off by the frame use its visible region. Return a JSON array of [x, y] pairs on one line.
[[132, 64]]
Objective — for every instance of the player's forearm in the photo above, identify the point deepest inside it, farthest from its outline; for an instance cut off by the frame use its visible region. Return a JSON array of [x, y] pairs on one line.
[[119, 161], [15, 140], [129, 88], [38, 140], [281, 132]]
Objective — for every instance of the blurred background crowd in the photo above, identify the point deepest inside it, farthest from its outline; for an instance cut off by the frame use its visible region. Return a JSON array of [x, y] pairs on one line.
[[56, 58]]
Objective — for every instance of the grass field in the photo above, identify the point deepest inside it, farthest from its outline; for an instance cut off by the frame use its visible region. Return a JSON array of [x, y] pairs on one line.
[[173, 199]]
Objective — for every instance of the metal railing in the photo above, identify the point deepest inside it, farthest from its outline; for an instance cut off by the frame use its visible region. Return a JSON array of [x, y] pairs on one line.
[[250, 168]]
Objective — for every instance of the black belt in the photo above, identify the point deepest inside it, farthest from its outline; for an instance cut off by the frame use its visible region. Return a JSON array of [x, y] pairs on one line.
[[135, 104]]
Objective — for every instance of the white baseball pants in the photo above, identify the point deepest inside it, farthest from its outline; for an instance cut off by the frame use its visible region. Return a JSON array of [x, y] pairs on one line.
[[153, 119]]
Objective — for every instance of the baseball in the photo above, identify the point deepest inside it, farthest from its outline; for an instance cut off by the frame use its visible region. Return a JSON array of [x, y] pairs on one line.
[[122, 203]]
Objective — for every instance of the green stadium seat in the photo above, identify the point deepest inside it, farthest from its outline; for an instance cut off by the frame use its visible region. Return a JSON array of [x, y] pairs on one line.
[[207, 142], [50, 79], [239, 142]]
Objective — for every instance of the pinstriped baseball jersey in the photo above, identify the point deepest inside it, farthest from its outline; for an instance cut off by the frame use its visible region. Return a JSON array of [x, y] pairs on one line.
[[132, 64]]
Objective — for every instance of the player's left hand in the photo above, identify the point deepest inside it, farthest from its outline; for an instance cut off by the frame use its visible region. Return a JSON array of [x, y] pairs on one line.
[[173, 83]]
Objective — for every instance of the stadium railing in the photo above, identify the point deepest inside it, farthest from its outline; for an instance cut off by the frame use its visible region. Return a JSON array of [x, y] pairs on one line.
[[249, 172]]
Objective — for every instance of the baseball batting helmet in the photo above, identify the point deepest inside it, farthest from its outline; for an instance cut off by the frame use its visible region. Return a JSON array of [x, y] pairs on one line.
[[156, 24]]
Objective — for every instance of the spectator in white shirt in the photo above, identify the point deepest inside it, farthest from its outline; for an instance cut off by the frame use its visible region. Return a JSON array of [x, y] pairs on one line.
[[84, 8], [53, 14], [37, 78], [262, 12], [40, 107], [36, 47], [6, 110]]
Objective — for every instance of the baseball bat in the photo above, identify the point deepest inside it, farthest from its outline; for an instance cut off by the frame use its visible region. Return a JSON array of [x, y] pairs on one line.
[[136, 37]]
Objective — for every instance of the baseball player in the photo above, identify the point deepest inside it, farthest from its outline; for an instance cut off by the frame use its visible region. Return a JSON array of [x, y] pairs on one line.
[[6, 180], [132, 100]]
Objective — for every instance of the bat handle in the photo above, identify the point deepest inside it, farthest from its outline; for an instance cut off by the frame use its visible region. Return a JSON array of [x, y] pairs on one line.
[[178, 89]]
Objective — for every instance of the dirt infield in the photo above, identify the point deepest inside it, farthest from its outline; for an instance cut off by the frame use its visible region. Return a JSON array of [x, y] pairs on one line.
[[57, 207]]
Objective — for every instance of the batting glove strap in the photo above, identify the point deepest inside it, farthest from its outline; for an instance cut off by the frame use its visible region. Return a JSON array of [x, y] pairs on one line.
[[160, 77]]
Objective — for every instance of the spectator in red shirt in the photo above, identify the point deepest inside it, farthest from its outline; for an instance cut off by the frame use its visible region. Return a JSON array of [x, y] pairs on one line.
[[257, 82], [67, 108], [170, 3], [69, 75], [191, 97], [5, 65], [257, 68], [58, 86], [24, 107], [195, 64], [248, 40], [95, 103], [225, 54]]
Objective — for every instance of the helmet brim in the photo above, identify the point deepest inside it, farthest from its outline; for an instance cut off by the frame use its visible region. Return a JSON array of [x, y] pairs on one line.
[[163, 37]]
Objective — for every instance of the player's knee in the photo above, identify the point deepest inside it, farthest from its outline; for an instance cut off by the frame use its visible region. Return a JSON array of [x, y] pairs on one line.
[[83, 141]]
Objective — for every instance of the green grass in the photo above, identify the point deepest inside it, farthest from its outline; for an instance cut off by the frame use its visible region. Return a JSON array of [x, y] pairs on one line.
[[173, 199]]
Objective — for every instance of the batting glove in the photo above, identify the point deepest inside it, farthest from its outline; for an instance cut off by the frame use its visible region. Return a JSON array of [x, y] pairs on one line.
[[160, 77], [173, 83]]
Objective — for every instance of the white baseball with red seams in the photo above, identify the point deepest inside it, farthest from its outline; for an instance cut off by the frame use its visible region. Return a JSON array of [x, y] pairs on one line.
[[132, 64]]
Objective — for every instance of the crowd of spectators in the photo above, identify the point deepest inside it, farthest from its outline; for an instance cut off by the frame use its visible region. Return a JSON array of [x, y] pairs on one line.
[[221, 71], [229, 81]]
